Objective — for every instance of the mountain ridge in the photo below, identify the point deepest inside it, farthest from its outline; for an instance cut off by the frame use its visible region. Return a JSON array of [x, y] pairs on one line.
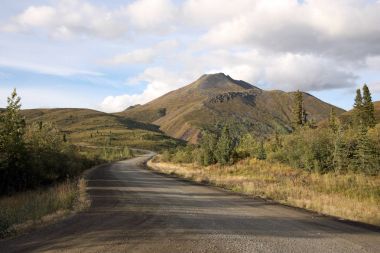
[[213, 98]]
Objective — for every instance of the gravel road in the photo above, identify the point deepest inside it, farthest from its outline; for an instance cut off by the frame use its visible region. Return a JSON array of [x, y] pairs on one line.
[[136, 210]]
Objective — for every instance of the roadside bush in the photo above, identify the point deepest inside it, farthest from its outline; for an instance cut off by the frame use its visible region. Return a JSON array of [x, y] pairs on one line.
[[33, 155]]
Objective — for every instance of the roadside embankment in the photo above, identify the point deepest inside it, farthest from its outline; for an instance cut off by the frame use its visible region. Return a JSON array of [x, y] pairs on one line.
[[349, 196], [27, 210]]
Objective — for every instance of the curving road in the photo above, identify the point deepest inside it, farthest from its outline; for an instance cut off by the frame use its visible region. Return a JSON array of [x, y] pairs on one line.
[[136, 210]]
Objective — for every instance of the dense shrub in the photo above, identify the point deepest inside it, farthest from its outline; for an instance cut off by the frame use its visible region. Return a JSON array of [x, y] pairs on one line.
[[33, 155]]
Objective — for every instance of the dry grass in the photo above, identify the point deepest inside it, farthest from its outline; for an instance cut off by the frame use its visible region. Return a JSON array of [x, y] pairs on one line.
[[349, 196], [26, 210]]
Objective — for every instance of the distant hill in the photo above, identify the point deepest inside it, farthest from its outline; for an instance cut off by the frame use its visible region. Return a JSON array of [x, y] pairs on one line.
[[217, 98], [346, 117], [93, 128]]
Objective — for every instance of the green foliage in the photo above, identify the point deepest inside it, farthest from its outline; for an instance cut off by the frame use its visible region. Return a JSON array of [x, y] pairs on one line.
[[225, 147], [299, 117], [34, 155], [364, 110], [183, 155], [207, 148], [339, 147], [247, 146], [339, 155], [333, 121], [358, 108], [114, 153], [368, 108], [365, 153], [261, 154], [13, 169]]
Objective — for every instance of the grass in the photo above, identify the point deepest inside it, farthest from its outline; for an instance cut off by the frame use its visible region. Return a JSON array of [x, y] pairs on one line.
[[24, 210], [85, 127], [350, 196]]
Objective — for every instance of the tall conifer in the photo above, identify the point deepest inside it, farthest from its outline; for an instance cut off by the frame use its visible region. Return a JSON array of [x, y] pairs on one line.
[[358, 108], [368, 108]]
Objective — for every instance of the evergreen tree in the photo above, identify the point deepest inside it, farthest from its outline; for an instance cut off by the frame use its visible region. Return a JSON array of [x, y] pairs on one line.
[[299, 116], [368, 108], [358, 108], [225, 147], [304, 114], [365, 152]]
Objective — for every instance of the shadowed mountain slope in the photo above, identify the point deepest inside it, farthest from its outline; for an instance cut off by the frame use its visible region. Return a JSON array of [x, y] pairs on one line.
[[218, 98]]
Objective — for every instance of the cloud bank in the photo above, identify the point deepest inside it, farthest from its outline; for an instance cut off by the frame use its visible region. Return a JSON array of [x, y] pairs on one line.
[[312, 45]]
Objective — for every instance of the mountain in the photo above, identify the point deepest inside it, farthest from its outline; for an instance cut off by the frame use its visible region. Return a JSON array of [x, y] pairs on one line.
[[85, 127], [217, 98]]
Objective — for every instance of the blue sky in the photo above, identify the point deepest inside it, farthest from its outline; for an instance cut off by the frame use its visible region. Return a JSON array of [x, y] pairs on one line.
[[107, 55]]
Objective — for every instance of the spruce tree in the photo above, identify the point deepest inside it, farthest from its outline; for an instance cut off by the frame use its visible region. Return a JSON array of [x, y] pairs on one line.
[[368, 108], [358, 108], [365, 152], [299, 115]]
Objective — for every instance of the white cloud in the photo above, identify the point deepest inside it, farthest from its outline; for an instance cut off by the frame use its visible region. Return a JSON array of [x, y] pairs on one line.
[[374, 87], [49, 70], [307, 72], [68, 18], [160, 81], [37, 16], [373, 62], [211, 12], [137, 56], [152, 15], [143, 55], [314, 45], [338, 28]]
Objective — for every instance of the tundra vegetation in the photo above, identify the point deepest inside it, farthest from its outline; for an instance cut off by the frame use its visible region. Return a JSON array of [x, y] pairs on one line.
[[39, 168], [332, 167]]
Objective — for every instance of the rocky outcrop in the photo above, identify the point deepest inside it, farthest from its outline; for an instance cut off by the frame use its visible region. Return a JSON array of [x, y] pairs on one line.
[[228, 96]]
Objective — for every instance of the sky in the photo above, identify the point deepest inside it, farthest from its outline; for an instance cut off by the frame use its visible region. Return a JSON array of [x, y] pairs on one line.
[[108, 55]]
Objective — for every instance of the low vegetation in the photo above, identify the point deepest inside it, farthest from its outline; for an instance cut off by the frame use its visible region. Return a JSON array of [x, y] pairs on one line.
[[337, 147], [39, 169], [34, 155], [85, 127], [332, 168], [23, 210], [351, 195]]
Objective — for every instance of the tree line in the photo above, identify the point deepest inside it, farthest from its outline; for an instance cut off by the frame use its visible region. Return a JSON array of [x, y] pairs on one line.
[[33, 155], [335, 146]]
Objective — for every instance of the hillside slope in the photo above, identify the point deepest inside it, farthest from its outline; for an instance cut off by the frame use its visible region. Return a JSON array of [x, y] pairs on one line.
[[217, 98], [347, 116], [87, 127]]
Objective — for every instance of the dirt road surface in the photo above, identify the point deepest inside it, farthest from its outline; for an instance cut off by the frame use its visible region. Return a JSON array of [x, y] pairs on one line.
[[136, 210]]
